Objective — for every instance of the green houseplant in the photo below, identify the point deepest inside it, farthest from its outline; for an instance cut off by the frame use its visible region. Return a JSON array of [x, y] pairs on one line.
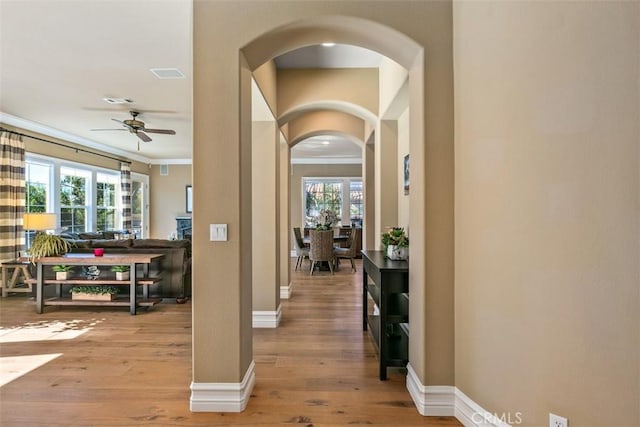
[[100, 293], [62, 271], [45, 245], [122, 272], [395, 243]]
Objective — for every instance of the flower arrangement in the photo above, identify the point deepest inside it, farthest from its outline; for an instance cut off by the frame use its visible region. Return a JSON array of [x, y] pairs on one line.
[[395, 244], [326, 219]]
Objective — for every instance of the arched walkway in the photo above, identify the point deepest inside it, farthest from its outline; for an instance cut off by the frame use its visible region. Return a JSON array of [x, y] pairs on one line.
[[224, 376]]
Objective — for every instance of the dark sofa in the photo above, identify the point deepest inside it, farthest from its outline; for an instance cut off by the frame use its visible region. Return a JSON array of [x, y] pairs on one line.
[[174, 267]]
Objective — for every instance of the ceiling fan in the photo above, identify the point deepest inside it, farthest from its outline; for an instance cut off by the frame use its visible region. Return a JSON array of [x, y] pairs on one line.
[[137, 127]]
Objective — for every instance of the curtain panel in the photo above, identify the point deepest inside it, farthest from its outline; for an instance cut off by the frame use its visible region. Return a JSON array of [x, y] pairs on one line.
[[125, 191], [12, 195]]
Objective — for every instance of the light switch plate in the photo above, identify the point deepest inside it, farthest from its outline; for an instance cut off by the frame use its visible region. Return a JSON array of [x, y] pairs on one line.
[[218, 232]]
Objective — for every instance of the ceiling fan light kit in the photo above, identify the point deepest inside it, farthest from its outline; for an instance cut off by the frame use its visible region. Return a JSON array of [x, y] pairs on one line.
[[137, 127]]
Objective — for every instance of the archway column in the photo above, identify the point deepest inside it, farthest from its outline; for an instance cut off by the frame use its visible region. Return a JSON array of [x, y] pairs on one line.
[[265, 175], [223, 367], [386, 177]]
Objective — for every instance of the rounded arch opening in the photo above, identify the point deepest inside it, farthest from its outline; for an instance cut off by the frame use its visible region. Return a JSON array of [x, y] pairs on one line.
[[339, 29]]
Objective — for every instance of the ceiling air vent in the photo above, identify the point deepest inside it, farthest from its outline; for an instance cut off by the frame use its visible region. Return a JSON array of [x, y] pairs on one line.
[[118, 100], [167, 73]]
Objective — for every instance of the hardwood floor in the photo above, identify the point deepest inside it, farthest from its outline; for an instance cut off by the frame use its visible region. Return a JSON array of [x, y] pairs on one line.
[[107, 368]]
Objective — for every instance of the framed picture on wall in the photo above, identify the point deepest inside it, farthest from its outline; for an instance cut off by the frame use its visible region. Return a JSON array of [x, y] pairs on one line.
[[189, 208], [406, 175]]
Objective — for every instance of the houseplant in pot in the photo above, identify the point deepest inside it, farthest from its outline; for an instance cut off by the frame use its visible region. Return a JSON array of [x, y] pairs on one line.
[[62, 271], [122, 272], [45, 245], [395, 244], [94, 293]]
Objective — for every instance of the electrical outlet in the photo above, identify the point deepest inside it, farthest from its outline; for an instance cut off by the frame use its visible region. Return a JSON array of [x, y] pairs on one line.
[[557, 421]]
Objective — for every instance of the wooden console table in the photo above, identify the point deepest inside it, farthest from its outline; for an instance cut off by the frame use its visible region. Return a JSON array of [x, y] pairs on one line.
[[20, 268], [389, 323], [132, 260]]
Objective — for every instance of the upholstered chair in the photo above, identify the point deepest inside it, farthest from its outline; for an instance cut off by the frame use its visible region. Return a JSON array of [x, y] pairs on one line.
[[321, 248], [350, 251]]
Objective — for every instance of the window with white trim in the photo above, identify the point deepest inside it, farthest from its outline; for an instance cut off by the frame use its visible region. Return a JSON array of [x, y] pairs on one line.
[[74, 199]]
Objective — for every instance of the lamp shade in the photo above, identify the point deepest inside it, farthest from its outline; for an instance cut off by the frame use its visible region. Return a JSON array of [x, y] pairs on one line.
[[39, 221]]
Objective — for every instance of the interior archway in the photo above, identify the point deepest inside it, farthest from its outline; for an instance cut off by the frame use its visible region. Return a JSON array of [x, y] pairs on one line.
[[229, 52]]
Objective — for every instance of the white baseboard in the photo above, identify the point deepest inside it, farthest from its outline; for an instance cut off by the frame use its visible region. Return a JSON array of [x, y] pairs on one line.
[[469, 413], [449, 401], [286, 291], [223, 397], [430, 400], [267, 319]]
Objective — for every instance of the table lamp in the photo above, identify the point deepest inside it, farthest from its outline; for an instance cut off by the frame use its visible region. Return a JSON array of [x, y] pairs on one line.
[[38, 222]]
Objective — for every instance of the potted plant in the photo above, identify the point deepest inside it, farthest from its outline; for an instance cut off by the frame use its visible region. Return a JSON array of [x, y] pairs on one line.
[[45, 245], [122, 272], [396, 243], [62, 271], [94, 293]]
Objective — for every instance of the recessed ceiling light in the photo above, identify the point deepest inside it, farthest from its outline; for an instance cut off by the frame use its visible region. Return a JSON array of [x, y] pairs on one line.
[[325, 142], [328, 44], [167, 73]]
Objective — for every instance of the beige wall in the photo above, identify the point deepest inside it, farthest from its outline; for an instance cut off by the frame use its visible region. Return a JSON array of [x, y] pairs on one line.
[[403, 150], [547, 204], [167, 199], [392, 77], [357, 86], [266, 225]]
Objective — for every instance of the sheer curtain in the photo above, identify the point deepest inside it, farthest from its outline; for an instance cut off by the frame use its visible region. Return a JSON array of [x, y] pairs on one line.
[[12, 195]]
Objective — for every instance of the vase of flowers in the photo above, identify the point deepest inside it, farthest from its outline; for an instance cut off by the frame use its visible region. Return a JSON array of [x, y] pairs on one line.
[[395, 244], [326, 219]]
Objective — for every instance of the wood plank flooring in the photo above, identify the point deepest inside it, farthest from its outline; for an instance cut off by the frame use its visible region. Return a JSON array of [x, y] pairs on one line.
[[108, 368]]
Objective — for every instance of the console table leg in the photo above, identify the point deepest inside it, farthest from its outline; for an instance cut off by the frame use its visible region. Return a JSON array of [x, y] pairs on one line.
[[39, 289], [132, 289]]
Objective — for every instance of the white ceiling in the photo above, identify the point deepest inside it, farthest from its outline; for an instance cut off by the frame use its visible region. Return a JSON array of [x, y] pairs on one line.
[[59, 59], [316, 150]]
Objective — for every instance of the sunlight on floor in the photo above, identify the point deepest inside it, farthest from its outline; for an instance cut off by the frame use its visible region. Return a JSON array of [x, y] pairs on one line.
[[46, 331], [15, 366]]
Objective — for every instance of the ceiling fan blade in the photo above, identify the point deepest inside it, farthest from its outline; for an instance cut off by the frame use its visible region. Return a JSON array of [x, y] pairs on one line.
[[119, 121], [143, 136], [107, 129], [162, 131]]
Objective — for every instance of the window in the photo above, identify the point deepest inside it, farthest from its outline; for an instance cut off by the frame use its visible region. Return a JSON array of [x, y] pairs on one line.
[[322, 194], [38, 179], [356, 203], [74, 185], [106, 205], [344, 196], [86, 198], [138, 196]]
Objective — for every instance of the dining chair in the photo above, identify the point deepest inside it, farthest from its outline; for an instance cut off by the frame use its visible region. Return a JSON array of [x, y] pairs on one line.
[[321, 248], [302, 251], [350, 251]]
